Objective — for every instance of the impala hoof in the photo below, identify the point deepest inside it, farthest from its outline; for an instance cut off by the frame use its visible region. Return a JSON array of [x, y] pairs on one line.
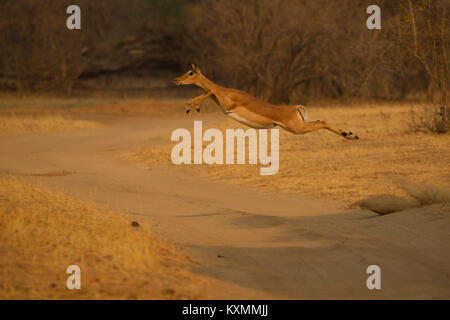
[[187, 111], [344, 134], [198, 110], [356, 137]]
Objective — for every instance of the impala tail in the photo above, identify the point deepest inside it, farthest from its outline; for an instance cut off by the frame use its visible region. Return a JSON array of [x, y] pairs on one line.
[[305, 112]]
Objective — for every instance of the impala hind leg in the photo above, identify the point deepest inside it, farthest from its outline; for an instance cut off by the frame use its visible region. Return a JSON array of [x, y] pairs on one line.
[[306, 127]]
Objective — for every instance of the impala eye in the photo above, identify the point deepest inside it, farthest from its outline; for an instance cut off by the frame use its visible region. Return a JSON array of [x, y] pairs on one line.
[[190, 73]]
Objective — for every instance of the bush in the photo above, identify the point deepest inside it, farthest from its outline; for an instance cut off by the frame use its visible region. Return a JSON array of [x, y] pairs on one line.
[[435, 119]]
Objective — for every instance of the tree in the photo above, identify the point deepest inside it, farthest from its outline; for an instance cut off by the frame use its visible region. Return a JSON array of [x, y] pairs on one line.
[[424, 32], [262, 46]]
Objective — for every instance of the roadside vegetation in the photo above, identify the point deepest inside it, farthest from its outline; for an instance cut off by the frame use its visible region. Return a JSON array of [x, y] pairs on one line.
[[320, 164], [41, 124], [42, 233]]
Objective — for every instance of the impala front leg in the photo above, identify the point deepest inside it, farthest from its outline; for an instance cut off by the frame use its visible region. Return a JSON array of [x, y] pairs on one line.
[[187, 107], [196, 101]]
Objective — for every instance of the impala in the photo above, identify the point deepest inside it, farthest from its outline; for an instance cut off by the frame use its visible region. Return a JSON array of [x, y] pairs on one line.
[[255, 113]]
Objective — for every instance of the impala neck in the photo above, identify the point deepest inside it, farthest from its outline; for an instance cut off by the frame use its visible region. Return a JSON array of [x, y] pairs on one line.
[[207, 84]]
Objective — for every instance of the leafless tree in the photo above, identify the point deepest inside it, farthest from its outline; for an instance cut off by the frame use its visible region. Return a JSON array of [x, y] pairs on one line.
[[280, 50], [41, 53], [259, 45], [424, 32]]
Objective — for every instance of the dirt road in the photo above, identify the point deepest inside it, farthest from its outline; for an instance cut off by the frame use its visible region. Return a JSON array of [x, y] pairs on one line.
[[253, 244]]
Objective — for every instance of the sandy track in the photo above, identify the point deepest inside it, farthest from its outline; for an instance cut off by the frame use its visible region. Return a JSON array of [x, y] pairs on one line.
[[255, 245]]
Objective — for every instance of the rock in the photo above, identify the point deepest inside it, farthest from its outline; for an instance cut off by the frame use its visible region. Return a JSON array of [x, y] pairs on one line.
[[385, 204], [135, 224]]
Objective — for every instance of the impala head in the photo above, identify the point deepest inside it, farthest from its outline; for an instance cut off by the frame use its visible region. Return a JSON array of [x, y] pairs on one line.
[[190, 77]]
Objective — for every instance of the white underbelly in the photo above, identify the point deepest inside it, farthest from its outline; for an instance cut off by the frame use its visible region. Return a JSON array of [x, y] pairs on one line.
[[248, 122]]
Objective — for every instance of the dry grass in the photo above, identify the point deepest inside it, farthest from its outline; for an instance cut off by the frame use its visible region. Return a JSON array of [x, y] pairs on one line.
[[41, 124], [144, 107], [47, 105], [42, 233], [30, 105], [321, 164]]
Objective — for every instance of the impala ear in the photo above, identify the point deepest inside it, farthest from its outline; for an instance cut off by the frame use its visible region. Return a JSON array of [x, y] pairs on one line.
[[195, 68]]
